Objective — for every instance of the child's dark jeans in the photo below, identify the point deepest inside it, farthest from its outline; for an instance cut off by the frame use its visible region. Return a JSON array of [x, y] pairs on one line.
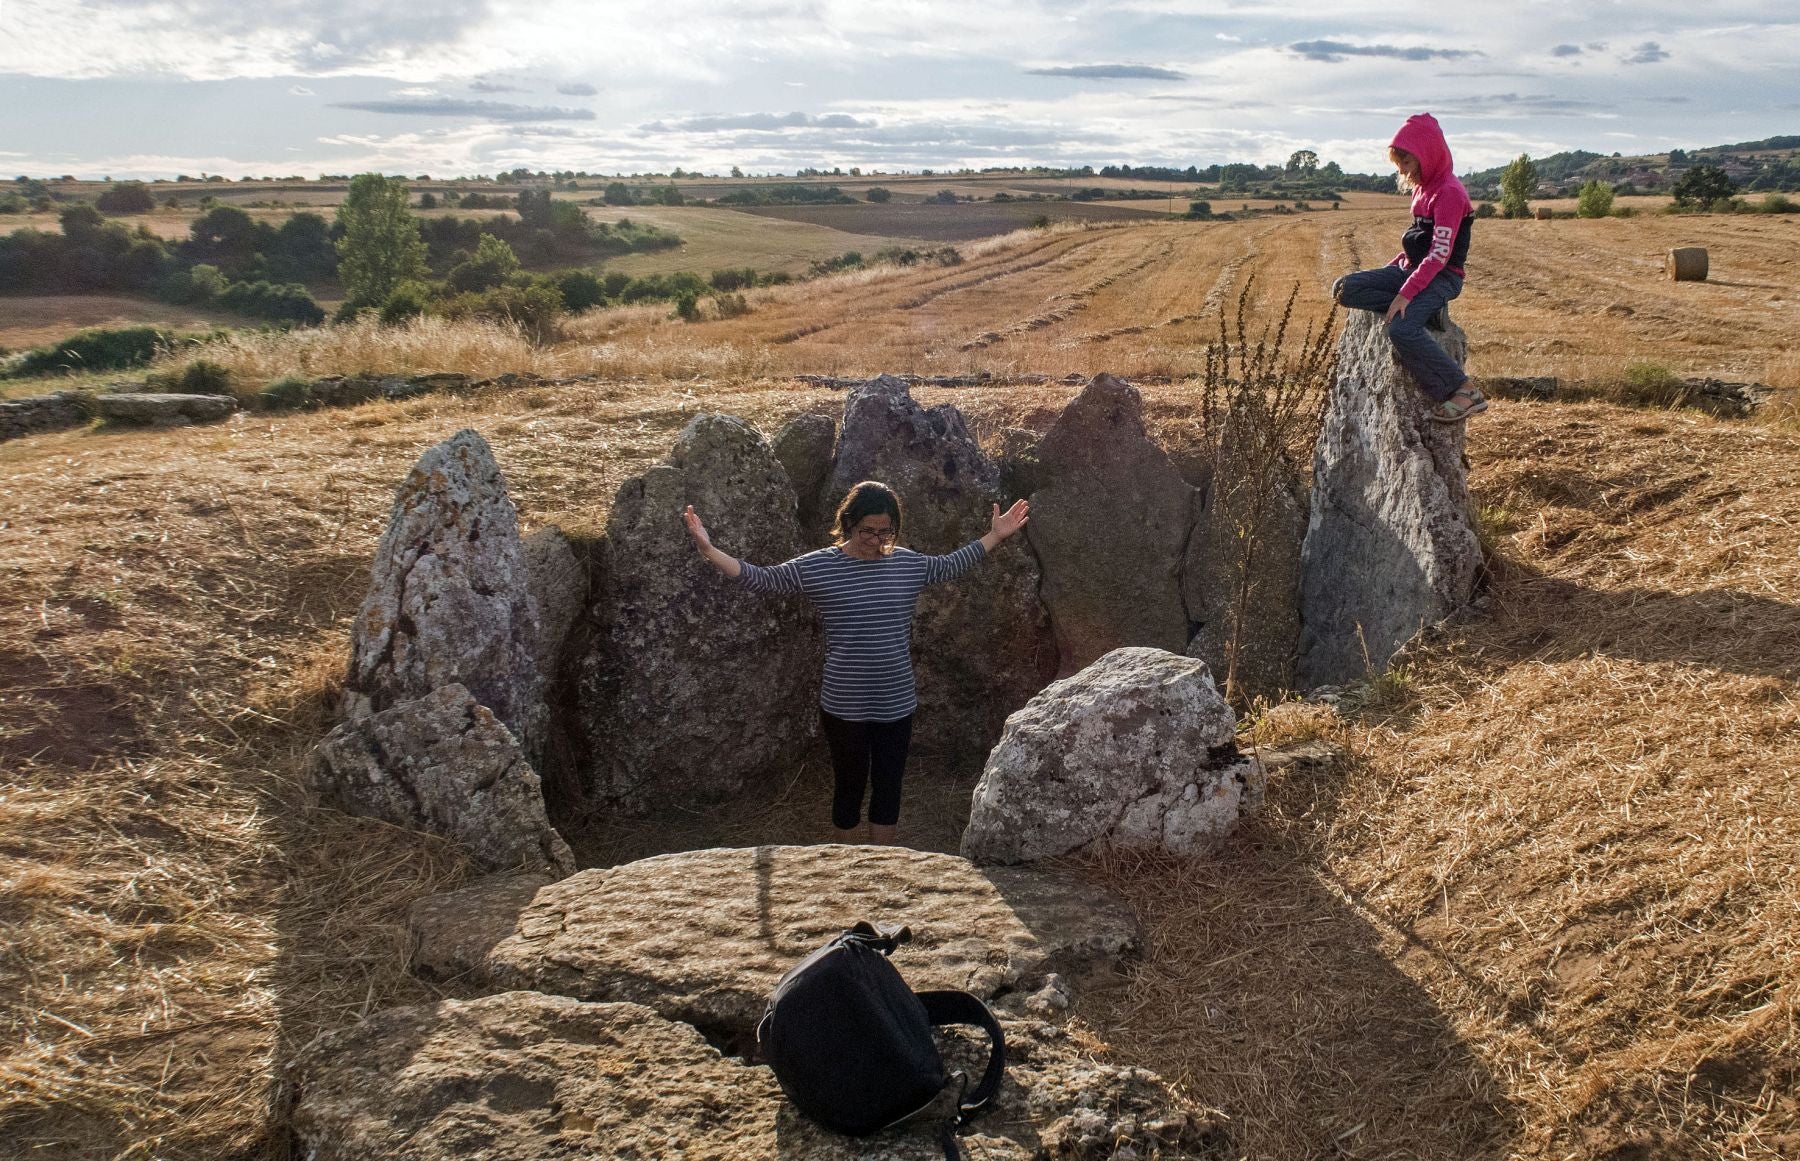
[[1437, 373]]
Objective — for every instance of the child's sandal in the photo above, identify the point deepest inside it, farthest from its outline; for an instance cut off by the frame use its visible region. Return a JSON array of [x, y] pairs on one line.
[[1450, 411]]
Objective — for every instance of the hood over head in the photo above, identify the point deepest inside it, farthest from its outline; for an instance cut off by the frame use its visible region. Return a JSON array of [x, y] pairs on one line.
[[1422, 138]]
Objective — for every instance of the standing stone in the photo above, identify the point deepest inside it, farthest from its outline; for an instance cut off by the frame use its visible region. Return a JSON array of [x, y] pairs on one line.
[[449, 598], [693, 684], [1109, 522], [443, 763], [1389, 547], [559, 588], [803, 446], [1138, 750], [1244, 555], [980, 642]]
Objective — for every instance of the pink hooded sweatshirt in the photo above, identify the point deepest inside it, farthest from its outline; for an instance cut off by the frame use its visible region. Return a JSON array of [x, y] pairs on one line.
[[1440, 206]]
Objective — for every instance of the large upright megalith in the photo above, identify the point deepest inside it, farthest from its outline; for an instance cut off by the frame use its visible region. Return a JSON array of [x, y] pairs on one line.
[[1389, 545], [693, 684], [1110, 520], [981, 641], [449, 598]]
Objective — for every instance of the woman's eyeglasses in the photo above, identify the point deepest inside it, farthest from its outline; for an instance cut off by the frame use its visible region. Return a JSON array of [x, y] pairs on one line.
[[878, 535]]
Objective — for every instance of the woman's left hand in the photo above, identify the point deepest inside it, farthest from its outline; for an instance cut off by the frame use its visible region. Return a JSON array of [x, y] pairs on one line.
[[1397, 308], [1010, 521]]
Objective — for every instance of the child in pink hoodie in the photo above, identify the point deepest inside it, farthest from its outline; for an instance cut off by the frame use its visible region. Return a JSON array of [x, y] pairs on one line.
[[1428, 272]]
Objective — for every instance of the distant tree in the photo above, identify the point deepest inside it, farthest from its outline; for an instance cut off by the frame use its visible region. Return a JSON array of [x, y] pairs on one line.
[[1302, 163], [1678, 157], [127, 197], [943, 197], [492, 264], [380, 247], [1595, 200], [736, 172], [1517, 185], [1332, 171], [428, 201], [878, 194], [81, 223], [1703, 185], [617, 193]]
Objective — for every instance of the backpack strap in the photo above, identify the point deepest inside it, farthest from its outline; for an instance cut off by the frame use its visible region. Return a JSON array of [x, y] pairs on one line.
[[962, 1008]]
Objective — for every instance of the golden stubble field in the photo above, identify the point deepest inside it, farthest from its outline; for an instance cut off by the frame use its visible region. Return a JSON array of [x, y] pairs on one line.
[[1548, 909]]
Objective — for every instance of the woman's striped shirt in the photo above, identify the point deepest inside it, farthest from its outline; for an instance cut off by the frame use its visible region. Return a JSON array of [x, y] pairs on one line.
[[867, 607]]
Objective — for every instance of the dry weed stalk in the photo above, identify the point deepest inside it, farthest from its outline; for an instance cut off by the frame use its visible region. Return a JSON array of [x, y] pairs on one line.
[[1261, 408]]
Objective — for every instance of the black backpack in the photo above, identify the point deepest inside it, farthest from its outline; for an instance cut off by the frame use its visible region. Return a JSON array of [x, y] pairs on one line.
[[851, 1044]]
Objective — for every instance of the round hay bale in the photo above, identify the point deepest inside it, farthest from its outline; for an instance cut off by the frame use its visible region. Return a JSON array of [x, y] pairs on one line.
[[1687, 264], [1543, 213]]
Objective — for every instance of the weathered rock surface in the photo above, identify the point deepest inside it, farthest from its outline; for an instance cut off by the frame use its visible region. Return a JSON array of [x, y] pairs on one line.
[[702, 936], [162, 407], [804, 446], [559, 589], [1389, 546], [1136, 751], [1244, 557], [1109, 521], [693, 684], [446, 764], [527, 1077], [53, 412], [449, 596], [450, 935], [981, 641]]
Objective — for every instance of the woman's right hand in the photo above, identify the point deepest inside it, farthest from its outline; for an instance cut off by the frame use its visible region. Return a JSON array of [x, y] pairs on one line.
[[696, 529]]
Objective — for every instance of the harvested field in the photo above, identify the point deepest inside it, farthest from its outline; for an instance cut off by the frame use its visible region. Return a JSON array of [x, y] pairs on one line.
[[712, 239], [1548, 909], [962, 222], [34, 320]]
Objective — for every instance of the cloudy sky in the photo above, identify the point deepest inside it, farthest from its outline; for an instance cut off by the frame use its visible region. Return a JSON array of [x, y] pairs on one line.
[[149, 88]]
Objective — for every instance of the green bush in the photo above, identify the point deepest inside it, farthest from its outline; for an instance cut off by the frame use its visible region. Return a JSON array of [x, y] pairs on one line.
[[613, 285], [1595, 200], [535, 308], [200, 377], [687, 308], [733, 279], [878, 194], [580, 290], [1776, 203], [731, 305], [407, 301], [288, 393], [95, 350], [1486, 210], [126, 197]]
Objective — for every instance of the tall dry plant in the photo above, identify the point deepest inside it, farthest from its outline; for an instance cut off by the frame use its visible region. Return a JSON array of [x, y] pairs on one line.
[[1262, 405]]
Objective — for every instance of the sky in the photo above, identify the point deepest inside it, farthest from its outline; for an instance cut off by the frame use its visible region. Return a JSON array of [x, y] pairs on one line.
[[152, 88]]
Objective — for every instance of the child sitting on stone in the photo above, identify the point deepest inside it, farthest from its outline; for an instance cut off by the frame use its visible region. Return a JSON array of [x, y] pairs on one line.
[[1428, 272]]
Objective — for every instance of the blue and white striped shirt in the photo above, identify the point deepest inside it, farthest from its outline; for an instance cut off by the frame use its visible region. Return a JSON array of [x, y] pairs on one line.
[[867, 607]]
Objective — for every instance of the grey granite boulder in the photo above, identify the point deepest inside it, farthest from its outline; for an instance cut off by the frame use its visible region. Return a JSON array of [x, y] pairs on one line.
[[163, 408], [804, 446], [1109, 521], [449, 595], [702, 936], [694, 685], [1138, 750], [559, 589], [528, 1077], [982, 641], [1389, 545], [446, 764]]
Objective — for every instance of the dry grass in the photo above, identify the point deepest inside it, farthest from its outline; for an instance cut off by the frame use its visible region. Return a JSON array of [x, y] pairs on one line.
[[1549, 910]]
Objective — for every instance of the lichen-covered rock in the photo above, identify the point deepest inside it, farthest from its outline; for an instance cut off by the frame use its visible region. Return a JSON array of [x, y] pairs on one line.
[[52, 412], [523, 1076], [1241, 577], [1389, 546], [559, 589], [804, 446], [1135, 751], [446, 764], [1109, 521], [163, 407], [450, 935], [693, 685], [981, 642], [702, 936], [449, 596]]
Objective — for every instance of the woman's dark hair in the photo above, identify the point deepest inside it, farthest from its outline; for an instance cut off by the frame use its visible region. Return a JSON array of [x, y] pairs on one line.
[[868, 498]]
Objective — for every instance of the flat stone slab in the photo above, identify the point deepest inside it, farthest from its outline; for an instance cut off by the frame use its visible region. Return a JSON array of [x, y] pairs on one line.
[[702, 936], [522, 1076], [159, 407], [451, 934]]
